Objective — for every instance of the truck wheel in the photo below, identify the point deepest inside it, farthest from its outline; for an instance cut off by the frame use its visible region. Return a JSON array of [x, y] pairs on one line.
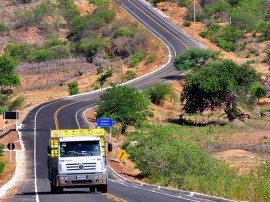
[[92, 189], [102, 188], [53, 187], [59, 190]]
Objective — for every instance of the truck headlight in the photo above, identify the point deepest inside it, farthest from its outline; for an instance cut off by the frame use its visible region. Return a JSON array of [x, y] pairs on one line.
[[64, 178]]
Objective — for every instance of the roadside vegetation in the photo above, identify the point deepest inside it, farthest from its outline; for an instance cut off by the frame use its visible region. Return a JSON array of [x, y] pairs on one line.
[[217, 83], [2, 163], [9, 79], [166, 157], [173, 154], [100, 36], [230, 21]]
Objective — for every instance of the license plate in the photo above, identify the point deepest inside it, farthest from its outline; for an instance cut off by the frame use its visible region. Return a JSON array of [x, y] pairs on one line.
[[81, 177]]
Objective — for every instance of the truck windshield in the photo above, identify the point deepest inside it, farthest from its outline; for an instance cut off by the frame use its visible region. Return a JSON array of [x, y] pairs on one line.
[[80, 148]]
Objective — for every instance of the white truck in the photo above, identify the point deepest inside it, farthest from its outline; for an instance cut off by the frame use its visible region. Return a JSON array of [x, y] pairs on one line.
[[78, 159]]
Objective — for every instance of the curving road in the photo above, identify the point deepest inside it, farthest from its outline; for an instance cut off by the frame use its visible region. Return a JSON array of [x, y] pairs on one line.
[[68, 113]]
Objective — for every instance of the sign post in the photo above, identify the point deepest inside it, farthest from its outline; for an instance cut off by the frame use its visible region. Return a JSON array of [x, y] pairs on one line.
[[11, 147], [122, 155]]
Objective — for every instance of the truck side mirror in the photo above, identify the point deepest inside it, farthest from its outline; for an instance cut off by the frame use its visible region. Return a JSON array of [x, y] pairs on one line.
[[109, 147], [49, 150]]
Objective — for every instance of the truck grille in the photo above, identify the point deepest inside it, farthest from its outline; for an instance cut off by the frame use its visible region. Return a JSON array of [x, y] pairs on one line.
[[81, 166]]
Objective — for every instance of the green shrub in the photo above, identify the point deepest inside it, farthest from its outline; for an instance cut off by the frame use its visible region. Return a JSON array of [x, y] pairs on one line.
[[73, 88], [158, 92], [125, 145], [76, 30], [130, 75], [226, 45], [261, 39], [107, 15], [186, 23], [3, 28], [100, 70], [18, 51], [90, 46], [258, 91], [42, 55], [2, 146], [123, 31], [136, 58], [54, 41], [226, 38], [100, 2], [103, 77], [151, 59], [2, 164], [253, 51], [203, 34], [60, 51], [267, 51]]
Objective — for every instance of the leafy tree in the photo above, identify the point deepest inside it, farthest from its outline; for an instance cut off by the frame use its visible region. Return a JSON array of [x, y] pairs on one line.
[[73, 88], [194, 58], [124, 105], [220, 84], [245, 15], [9, 103], [212, 8], [8, 76], [264, 28]]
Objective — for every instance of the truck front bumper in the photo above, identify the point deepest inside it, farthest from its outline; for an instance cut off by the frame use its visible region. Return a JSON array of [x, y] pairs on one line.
[[81, 180]]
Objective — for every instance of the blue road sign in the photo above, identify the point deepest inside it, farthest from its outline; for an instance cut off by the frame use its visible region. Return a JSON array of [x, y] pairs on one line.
[[104, 122]]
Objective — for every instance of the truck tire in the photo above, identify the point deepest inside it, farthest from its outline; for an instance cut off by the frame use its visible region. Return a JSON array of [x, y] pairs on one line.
[[53, 187], [92, 189], [102, 188], [59, 190]]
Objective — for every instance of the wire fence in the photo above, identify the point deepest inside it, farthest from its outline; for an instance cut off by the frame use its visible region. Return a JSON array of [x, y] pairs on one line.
[[48, 74], [258, 148]]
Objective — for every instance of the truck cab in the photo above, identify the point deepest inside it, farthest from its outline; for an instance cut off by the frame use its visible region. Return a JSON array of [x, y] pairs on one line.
[[78, 159]]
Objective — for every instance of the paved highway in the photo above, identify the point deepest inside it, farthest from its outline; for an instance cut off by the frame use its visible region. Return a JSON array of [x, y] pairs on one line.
[[67, 113]]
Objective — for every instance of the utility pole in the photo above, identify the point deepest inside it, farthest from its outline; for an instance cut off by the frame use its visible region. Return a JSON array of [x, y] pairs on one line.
[[194, 10]]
